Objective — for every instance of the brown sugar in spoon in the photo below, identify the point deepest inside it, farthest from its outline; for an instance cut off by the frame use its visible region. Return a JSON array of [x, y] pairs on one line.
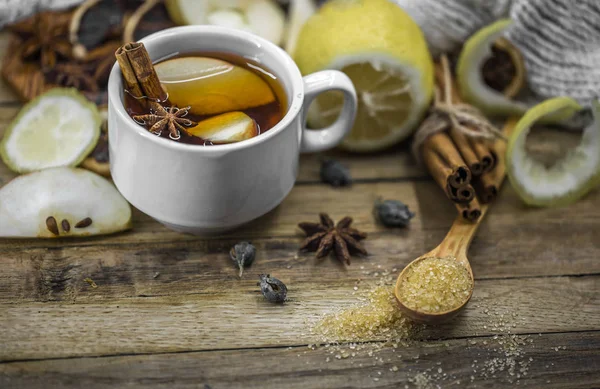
[[455, 246]]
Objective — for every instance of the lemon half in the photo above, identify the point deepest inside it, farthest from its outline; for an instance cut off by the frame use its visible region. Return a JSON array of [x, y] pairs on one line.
[[384, 53], [470, 80], [569, 178]]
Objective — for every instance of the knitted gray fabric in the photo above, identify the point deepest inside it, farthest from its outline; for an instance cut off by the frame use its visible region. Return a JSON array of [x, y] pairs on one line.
[[13, 10], [560, 43], [447, 24]]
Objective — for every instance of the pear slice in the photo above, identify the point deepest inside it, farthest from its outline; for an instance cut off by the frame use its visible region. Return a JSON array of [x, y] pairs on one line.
[[476, 51], [568, 178], [211, 86], [226, 128], [300, 12], [61, 202], [262, 17]]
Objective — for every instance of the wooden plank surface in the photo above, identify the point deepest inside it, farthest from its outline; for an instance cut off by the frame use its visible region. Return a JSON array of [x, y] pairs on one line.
[[234, 315], [169, 310], [548, 361]]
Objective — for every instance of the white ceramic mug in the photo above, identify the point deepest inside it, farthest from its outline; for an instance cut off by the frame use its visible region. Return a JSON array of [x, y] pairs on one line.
[[211, 189]]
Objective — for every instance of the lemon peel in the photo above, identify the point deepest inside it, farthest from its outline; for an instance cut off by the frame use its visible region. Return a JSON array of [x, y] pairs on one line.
[[469, 78], [569, 178]]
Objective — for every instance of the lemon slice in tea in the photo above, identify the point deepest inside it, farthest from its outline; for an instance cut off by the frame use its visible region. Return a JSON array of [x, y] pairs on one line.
[[212, 86], [58, 128], [568, 178], [225, 128], [384, 53]]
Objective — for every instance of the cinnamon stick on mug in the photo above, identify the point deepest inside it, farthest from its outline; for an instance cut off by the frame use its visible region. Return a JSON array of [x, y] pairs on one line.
[[139, 75]]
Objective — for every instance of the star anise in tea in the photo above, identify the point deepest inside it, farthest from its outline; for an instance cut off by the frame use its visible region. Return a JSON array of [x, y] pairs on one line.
[[170, 118], [326, 236], [45, 38]]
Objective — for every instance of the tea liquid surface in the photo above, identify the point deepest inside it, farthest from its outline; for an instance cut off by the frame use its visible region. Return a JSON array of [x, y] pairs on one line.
[[265, 116]]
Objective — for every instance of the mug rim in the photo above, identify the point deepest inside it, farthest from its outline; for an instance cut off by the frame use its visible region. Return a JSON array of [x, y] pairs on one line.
[[296, 97]]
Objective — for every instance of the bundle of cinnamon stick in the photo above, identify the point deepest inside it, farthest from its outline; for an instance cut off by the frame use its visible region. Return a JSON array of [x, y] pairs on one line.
[[468, 169]]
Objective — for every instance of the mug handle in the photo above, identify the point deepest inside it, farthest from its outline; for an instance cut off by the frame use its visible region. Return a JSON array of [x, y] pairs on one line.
[[326, 138]]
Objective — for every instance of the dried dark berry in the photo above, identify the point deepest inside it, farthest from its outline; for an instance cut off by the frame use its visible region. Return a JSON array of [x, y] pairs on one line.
[[393, 213], [243, 255], [274, 290], [334, 173]]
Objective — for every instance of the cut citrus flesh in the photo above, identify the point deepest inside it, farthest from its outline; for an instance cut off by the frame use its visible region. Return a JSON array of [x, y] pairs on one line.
[[58, 128], [385, 55], [67, 195], [226, 128], [469, 76], [570, 177], [212, 86], [385, 108]]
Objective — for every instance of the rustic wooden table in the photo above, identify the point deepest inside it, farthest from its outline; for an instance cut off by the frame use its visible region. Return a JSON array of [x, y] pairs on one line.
[[170, 311]]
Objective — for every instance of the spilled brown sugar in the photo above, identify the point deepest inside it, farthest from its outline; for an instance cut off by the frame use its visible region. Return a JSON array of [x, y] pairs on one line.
[[378, 317], [434, 285]]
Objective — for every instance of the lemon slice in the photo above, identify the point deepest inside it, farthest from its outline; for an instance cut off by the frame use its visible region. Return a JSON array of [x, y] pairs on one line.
[[58, 128], [384, 53], [61, 202], [569, 178], [211, 86], [226, 128], [476, 51]]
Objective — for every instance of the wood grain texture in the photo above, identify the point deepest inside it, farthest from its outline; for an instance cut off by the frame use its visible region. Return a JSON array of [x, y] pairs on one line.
[[169, 310], [459, 363], [220, 315], [35, 270]]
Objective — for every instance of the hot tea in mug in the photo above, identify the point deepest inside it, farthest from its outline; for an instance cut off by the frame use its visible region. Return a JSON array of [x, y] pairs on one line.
[[218, 98]]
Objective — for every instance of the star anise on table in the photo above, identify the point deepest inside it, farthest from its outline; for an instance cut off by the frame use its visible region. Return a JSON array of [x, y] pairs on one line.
[[326, 236], [72, 75], [161, 118], [45, 38]]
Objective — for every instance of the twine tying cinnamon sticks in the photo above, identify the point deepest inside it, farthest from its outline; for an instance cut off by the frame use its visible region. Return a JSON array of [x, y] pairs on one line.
[[446, 115], [457, 144]]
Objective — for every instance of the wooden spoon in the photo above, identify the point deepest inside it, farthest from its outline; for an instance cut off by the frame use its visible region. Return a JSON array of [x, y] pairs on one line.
[[456, 244]]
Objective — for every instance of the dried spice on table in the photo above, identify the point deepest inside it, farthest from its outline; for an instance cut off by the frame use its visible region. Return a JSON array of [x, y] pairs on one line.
[[38, 43], [76, 47], [459, 147], [326, 236], [44, 38], [392, 213], [242, 254], [273, 289], [334, 173]]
